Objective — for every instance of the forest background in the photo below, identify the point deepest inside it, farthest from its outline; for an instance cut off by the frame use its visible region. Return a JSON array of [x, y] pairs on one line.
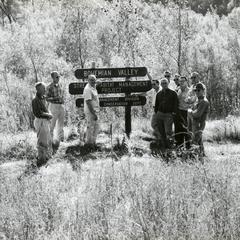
[[38, 36]]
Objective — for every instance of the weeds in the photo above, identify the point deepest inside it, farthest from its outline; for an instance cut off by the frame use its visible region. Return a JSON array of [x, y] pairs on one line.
[[20, 150]]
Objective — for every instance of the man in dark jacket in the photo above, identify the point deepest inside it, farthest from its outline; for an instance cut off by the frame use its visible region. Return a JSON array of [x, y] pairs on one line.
[[42, 124], [166, 106], [199, 115]]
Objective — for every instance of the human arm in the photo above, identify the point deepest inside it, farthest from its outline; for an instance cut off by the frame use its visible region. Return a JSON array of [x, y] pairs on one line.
[[201, 109], [91, 109], [149, 76], [40, 110], [175, 103], [191, 97], [156, 103], [55, 94], [47, 115]]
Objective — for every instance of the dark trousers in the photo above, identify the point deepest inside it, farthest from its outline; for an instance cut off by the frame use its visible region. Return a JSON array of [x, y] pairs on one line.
[[165, 122], [198, 128], [181, 129]]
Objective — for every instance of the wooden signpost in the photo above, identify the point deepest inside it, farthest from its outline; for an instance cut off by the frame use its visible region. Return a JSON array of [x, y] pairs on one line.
[[113, 87], [111, 72], [110, 87], [117, 101]]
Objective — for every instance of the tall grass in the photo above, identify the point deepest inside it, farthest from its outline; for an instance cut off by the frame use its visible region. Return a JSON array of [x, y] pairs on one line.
[[134, 198], [227, 129], [131, 199]]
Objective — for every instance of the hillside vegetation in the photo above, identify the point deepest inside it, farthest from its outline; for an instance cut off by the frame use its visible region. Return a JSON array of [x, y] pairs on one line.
[[64, 35]]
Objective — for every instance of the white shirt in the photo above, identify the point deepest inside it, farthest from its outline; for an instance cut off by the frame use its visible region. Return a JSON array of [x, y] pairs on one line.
[[90, 93], [182, 98], [172, 85]]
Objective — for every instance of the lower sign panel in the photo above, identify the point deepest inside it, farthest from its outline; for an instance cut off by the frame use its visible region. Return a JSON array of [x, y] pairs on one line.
[[117, 101]]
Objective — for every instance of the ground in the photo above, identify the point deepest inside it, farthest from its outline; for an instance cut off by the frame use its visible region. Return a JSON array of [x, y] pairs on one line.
[[119, 193]]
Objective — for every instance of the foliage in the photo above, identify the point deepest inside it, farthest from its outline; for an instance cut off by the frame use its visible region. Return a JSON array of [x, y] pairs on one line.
[[64, 35]]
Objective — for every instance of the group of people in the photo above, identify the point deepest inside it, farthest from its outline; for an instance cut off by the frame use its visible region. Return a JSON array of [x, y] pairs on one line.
[[182, 106], [48, 109]]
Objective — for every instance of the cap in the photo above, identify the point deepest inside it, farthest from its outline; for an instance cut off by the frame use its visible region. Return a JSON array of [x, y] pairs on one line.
[[199, 86], [176, 76], [194, 75]]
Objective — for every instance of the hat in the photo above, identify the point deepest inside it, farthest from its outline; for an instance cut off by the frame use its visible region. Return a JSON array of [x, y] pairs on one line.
[[194, 75], [176, 76], [168, 73], [199, 86]]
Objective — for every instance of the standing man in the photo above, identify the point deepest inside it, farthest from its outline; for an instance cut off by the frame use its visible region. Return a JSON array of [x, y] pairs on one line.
[[166, 107], [154, 122], [167, 75], [192, 97], [171, 84], [91, 110], [199, 115], [176, 81], [42, 125], [181, 130], [55, 96]]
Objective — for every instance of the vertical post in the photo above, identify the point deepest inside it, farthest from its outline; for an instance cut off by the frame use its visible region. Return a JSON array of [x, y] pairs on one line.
[[128, 120]]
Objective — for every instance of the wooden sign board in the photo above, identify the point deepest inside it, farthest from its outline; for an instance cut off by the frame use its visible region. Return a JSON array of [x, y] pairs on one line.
[[117, 101], [113, 87], [112, 72]]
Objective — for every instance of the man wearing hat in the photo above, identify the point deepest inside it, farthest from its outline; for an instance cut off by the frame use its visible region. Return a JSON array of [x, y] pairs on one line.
[[55, 97], [199, 115], [192, 97], [176, 80], [42, 124]]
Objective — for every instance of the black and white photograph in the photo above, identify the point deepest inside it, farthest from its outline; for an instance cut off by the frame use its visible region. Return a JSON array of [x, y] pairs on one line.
[[119, 119]]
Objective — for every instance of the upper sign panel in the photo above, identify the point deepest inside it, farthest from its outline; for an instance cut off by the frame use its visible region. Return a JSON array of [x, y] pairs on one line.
[[112, 72]]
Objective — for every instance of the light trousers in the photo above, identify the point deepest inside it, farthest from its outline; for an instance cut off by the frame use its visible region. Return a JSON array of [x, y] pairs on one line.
[[44, 140], [57, 111], [92, 129]]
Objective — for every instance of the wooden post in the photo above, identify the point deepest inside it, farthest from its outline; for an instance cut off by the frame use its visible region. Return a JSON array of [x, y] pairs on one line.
[[128, 120]]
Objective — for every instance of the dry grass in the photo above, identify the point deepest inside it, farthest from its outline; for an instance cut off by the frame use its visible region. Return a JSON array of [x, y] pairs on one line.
[[134, 198], [223, 130]]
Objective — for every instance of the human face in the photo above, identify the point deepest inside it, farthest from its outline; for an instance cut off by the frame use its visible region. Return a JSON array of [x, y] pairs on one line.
[[183, 83], [55, 78], [41, 89], [92, 81], [167, 76], [155, 85], [199, 92], [194, 80], [176, 80], [164, 84]]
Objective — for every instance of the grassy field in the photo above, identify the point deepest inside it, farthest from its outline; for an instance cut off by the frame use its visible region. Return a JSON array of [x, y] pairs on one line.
[[134, 196]]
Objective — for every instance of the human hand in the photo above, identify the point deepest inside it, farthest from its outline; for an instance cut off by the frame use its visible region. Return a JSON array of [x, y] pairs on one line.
[[95, 117], [49, 116]]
